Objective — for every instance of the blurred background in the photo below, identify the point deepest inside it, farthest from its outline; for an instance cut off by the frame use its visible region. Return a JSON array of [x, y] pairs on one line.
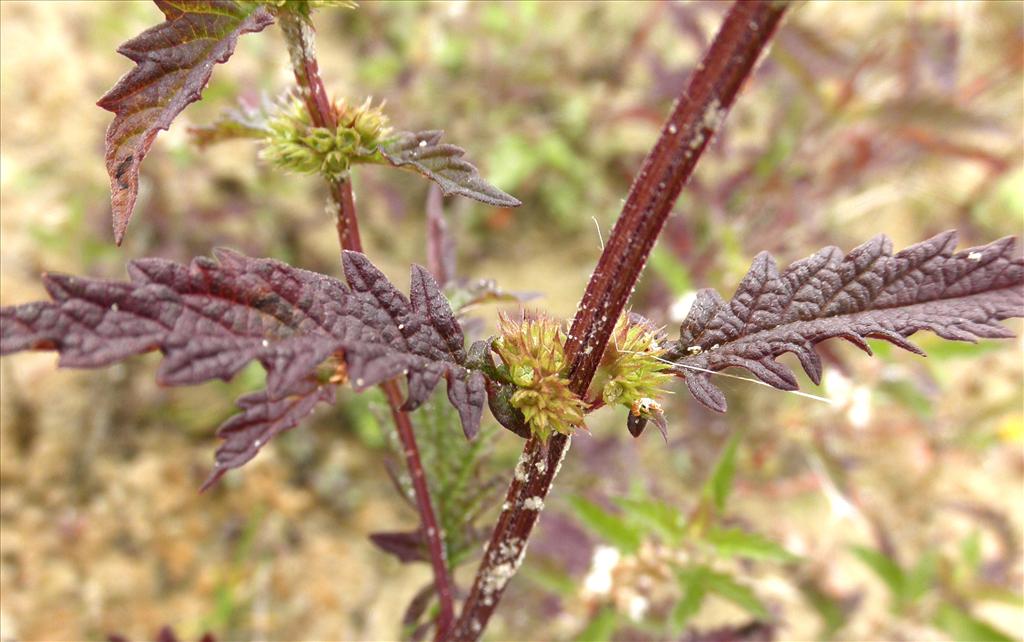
[[894, 514]]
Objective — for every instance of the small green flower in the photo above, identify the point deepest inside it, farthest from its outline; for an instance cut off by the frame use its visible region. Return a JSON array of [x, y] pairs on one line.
[[533, 352], [304, 7], [630, 373], [293, 143]]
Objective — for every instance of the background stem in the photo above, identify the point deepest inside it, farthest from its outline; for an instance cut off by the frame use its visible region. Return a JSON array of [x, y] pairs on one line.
[[698, 112], [301, 48]]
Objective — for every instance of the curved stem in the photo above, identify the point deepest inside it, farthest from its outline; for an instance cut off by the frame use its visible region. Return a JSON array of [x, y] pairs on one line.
[[698, 112], [299, 36]]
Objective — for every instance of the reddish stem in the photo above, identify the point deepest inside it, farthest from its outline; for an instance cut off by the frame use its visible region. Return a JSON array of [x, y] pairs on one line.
[[700, 109], [432, 532], [299, 36]]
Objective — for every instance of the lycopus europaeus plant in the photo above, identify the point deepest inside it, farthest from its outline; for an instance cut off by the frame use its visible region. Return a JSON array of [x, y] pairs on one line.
[[539, 377]]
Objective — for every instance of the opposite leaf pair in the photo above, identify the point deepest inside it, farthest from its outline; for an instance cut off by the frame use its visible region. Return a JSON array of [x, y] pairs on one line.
[[211, 318]]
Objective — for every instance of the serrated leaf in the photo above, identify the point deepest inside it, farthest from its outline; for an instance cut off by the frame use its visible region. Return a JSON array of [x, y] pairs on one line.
[[870, 292], [606, 525], [263, 418], [964, 626], [175, 60], [442, 163], [733, 542], [212, 317]]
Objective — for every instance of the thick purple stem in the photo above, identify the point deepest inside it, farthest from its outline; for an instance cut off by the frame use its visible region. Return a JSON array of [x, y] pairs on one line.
[[699, 111]]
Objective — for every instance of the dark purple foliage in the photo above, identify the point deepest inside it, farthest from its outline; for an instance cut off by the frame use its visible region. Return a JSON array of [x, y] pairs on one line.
[[213, 317], [260, 420], [174, 62], [407, 547], [868, 293], [443, 163]]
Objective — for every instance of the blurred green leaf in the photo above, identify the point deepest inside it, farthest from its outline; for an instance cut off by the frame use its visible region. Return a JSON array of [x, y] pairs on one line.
[[670, 269], [906, 394], [601, 627], [970, 552], [692, 584], [733, 542], [965, 627], [833, 618], [549, 578], [612, 528], [886, 569], [921, 578], [726, 587], [654, 517], [719, 484]]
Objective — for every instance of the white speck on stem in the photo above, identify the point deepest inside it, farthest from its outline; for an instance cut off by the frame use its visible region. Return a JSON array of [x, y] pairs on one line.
[[114, 307], [672, 129], [359, 381], [266, 344], [533, 503], [423, 143], [521, 472], [974, 256]]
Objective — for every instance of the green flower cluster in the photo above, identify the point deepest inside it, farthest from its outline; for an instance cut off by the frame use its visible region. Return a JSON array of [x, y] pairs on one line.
[[294, 144], [533, 352], [303, 7], [630, 373]]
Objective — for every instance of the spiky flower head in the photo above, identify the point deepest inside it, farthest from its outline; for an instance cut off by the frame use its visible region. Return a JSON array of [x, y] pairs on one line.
[[293, 143], [533, 351], [304, 7], [630, 373]]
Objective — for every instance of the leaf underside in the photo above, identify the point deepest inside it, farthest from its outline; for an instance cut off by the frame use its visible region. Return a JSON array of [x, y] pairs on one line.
[[444, 164], [175, 60], [213, 317], [870, 292]]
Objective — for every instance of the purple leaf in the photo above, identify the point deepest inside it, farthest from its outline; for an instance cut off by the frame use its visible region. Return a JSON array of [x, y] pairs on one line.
[[868, 293], [442, 163], [260, 421], [213, 317], [175, 60], [407, 547]]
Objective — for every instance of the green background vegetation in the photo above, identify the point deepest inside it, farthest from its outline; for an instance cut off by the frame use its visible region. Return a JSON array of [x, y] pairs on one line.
[[894, 514]]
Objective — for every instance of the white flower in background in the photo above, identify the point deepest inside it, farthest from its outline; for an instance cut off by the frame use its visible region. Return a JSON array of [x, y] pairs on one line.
[[855, 398], [681, 307], [599, 579]]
